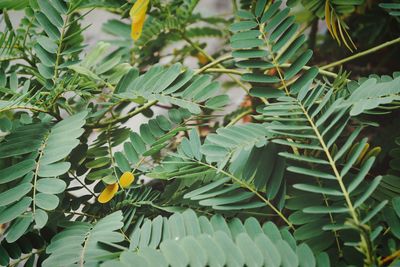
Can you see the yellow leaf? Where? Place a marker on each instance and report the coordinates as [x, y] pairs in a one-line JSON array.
[[362, 154], [202, 58], [328, 17], [126, 179], [108, 193], [138, 15], [334, 29], [372, 153]]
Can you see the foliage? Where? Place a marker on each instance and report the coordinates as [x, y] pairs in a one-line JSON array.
[[303, 172]]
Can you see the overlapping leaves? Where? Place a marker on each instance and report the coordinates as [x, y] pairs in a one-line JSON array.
[[184, 239], [263, 42], [32, 183], [174, 86]]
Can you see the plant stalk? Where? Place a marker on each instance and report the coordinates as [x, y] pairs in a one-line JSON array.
[[361, 54]]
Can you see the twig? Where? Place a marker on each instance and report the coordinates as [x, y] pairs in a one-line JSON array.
[[198, 48], [213, 63], [239, 117], [127, 116], [230, 71], [361, 54]]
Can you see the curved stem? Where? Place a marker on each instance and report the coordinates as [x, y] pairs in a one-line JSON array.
[[361, 54], [213, 63], [322, 71], [127, 116], [25, 107], [198, 48], [390, 258], [240, 116]]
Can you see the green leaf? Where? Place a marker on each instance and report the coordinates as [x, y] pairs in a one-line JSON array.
[[242, 26], [317, 189], [14, 194], [15, 210], [174, 254], [306, 256], [51, 13], [53, 170], [51, 30], [46, 201], [16, 171], [41, 218], [18, 228], [45, 57], [371, 188], [50, 185], [47, 44], [252, 255]]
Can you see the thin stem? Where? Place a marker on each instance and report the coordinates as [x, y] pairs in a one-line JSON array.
[[335, 232], [111, 156], [239, 117], [25, 107], [390, 258], [82, 254], [332, 163], [361, 54], [230, 71], [36, 174], [323, 72], [84, 185], [59, 48], [251, 189], [234, 6], [26, 257], [213, 63], [127, 116], [209, 57]]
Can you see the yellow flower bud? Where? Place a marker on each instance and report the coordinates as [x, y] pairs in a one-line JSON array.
[[108, 193], [138, 15], [126, 179]]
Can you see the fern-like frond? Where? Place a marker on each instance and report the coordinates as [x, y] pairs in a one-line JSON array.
[[263, 41], [310, 124], [174, 86], [152, 137], [33, 185], [254, 182], [80, 241], [58, 39], [184, 239], [106, 165], [100, 67], [371, 93]]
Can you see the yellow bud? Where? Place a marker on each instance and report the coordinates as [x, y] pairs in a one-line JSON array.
[[108, 193], [126, 179], [202, 58], [138, 15]]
